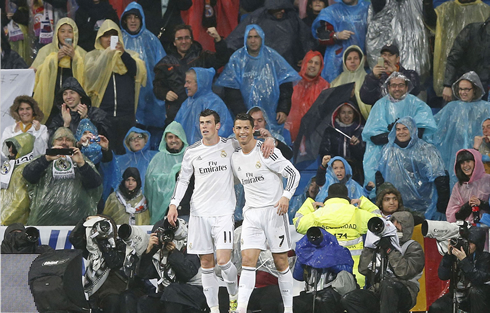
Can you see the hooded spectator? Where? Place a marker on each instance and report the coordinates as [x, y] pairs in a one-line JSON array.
[[151, 111], [11, 60], [55, 63], [313, 8], [113, 81], [416, 169], [27, 115], [19, 240], [338, 27], [396, 103], [200, 96], [460, 120], [471, 190], [257, 75], [161, 172], [353, 64], [62, 193], [482, 144], [306, 91]]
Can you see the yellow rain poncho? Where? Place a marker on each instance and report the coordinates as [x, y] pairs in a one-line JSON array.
[[101, 63], [356, 76], [452, 17], [47, 64]]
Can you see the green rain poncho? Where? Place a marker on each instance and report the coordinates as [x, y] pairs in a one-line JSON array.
[[15, 199], [160, 175]]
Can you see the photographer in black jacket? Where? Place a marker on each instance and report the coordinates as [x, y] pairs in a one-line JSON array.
[[473, 276]]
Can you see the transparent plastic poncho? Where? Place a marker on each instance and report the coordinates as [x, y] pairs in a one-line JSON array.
[[204, 98], [161, 174], [150, 111], [459, 122], [401, 23], [258, 78], [412, 170], [355, 190], [452, 17], [342, 17], [92, 150], [386, 112]]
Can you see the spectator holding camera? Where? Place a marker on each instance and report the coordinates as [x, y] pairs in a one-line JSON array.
[[104, 252], [128, 205], [471, 193], [482, 144], [65, 187], [178, 273], [393, 288], [19, 240], [473, 275]]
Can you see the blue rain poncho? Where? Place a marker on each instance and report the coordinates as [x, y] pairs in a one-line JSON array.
[[385, 112], [160, 176], [459, 122], [258, 78], [412, 170], [355, 190], [342, 17], [150, 111], [329, 254], [92, 150], [204, 98], [140, 159]]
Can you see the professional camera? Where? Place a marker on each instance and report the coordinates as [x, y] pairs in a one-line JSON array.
[[32, 234], [136, 240], [102, 229], [381, 227], [166, 233], [442, 231]]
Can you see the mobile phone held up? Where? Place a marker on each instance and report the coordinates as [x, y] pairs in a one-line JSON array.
[[69, 41], [53, 152]]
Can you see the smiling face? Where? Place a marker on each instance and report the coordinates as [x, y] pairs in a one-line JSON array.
[[65, 31], [64, 142], [173, 141], [486, 128], [190, 83], [313, 67], [243, 131], [316, 6], [209, 128], [352, 61], [466, 91], [338, 169], [346, 115], [254, 41], [71, 98], [397, 88], [130, 184], [390, 203], [25, 112], [402, 133], [183, 41], [467, 167], [133, 22], [137, 142]]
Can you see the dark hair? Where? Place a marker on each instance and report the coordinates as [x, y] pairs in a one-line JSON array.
[[253, 110], [208, 112], [352, 50], [464, 155], [110, 32], [244, 117], [387, 191], [183, 26]]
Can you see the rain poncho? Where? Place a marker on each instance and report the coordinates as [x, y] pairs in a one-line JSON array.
[[15, 199], [101, 63], [400, 23], [459, 122], [356, 76], [386, 112], [485, 151], [47, 65], [355, 190], [258, 78], [304, 94], [139, 159], [160, 175], [204, 98], [150, 111], [452, 17], [342, 17], [413, 169], [92, 150], [478, 186]]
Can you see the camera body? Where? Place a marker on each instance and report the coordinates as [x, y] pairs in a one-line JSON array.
[[165, 235], [443, 231]]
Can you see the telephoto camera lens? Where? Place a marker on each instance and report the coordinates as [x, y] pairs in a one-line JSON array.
[[376, 225], [32, 234]]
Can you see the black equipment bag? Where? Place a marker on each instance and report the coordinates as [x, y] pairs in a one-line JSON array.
[[55, 279]]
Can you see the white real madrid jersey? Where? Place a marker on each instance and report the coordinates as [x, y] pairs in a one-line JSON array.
[[213, 194], [262, 178]]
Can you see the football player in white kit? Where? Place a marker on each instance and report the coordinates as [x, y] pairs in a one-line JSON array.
[[211, 222], [266, 224]]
